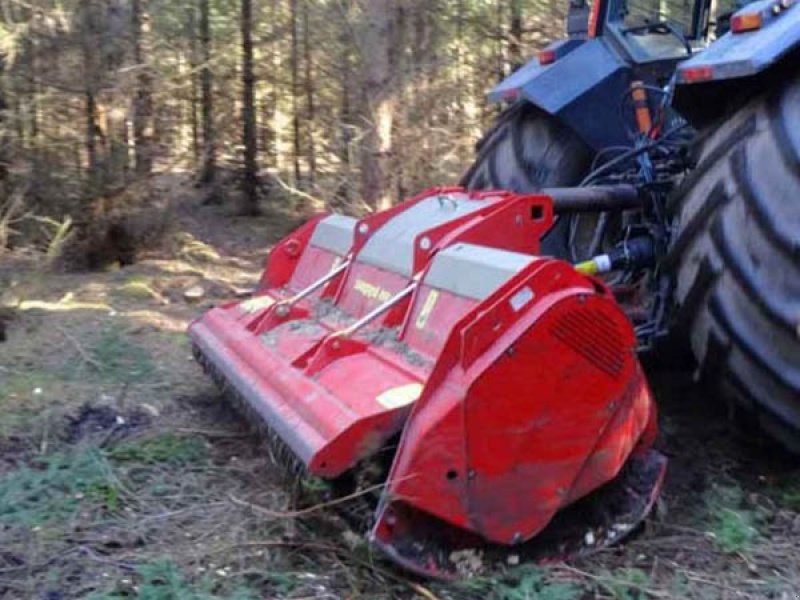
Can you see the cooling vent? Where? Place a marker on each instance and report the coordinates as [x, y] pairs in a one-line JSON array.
[[594, 336]]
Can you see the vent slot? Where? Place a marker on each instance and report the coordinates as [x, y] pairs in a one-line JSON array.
[[594, 336]]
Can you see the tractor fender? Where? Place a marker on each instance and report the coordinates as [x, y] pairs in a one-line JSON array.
[[740, 65], [577, 87]]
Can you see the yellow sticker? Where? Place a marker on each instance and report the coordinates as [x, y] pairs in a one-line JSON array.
[[427, 309], [256, 304], [373, 292], [400, 396]]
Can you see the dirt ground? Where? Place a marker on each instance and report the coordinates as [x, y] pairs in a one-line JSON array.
[[123, 475]]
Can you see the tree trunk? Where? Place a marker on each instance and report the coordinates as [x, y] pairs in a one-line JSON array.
[[250, 139], [143, 128], [345, 106], [91, 76], [194, 64], [207, 100], [309, 85], [294, 60], [376, 49], [515, 36], [4, 136]]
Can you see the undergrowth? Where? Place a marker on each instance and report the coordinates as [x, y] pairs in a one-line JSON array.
[[163, 580], [732, 522]]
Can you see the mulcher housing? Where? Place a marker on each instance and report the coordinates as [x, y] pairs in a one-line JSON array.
[[511, 379]]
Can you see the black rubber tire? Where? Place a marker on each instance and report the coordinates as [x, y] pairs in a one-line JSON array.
[[528, 150], [736, 255]]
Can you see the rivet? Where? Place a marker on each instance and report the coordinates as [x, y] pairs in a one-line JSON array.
[[471, 474], [425, 243], [517, 539], [363, 229]]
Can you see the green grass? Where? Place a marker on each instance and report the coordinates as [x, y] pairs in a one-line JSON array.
[[163, 580], [55, 487], [22, 407], [627, 584], [527, 582], [114, 357], [168, 448], [732, 523]]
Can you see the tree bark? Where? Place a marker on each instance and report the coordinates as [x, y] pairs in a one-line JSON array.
[[207, 100], [515, 36], [310, 108], [376, 51], [194, 64], [294, 60], [249, 139], [143, 127]]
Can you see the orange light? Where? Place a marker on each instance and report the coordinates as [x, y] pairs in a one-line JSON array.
[[696, 74], [746, 22], [547, 57], [594, 18]]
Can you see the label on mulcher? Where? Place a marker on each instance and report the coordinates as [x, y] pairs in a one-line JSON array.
[[400, 396]]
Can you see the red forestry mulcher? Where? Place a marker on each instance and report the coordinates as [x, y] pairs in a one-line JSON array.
[[473, 352]]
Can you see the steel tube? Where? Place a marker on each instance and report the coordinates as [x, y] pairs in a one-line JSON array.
[[594, 199]]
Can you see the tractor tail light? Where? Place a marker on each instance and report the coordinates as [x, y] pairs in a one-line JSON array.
[[696, 74], [746, 22], [547, 57]]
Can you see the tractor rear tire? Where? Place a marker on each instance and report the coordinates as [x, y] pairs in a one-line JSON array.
[[736, 255], [528, 150]]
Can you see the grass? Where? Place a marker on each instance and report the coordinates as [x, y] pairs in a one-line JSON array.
[[167, 449], [138, 287], [732, 523], [163, 580], [527, 582], [120, 358], [24, 399], [54, 488]]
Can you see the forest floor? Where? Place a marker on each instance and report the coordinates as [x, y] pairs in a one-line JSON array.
[[123, 475]]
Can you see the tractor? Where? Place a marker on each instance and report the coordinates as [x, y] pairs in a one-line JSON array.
[[463, 368]]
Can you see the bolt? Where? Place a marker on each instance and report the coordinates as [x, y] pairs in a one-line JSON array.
[[517, 539], [363, 229], [425, 243], [471, 474]]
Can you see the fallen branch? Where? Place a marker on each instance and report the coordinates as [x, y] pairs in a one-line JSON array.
[[273, 514], [296, 192], [83, 354]]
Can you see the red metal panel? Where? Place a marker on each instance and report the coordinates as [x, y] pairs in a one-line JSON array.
[[283, 257]]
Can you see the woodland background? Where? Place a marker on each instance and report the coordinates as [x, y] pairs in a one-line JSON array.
[[296, 104]]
